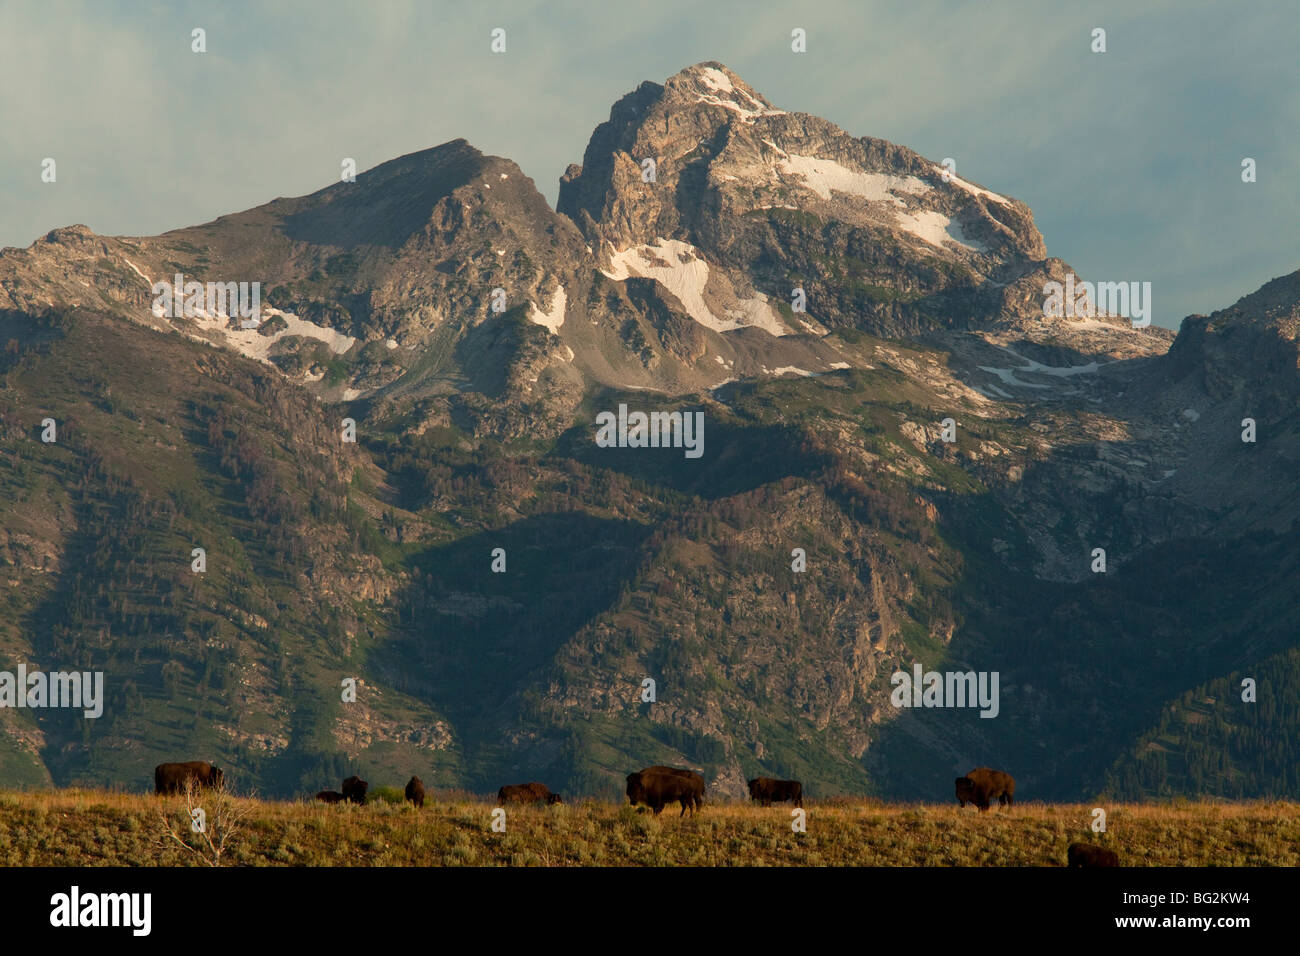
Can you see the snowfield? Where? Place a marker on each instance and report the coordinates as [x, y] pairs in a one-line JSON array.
[[676, 266], [722, 92], [936, 229], [824, 175], [554, 318], [252, 343], [1008, 375]]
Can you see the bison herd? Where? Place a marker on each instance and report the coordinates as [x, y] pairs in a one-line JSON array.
[[654, 787], [353, 791]]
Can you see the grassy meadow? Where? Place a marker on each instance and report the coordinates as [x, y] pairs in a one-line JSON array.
[[98, 828]]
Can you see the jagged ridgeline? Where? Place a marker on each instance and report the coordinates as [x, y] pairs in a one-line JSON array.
[[904, 459]]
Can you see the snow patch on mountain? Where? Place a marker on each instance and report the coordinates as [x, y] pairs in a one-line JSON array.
[[250, 342], [137, 271], [823, 176], [253, 344], [554, 318], [678, 268], [722, 92], [1009, 376], [936, 229], [715, 80], [827, 177], [757, 313], [338, 342]]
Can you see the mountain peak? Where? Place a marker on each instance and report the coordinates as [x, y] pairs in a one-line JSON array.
[[713, 84], [393, 202], [1276, 303], [706, 161]]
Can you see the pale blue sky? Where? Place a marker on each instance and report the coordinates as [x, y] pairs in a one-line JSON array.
[[1130, 159]]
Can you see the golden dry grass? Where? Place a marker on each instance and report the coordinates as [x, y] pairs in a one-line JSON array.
[[95, 828]]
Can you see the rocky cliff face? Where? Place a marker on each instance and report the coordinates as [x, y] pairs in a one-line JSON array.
[[878, 237]]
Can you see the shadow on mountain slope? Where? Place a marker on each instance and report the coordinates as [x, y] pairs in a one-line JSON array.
[[469, 639]]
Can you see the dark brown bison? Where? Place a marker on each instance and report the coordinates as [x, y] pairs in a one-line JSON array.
[[982, 784], [687, 774], [1089, 854], [415, 791], [354, 790], [330, 796], [767, 791], [659, 786], [172, 777], [527, 793]]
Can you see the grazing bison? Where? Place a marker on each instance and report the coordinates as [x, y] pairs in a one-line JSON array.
[[330, 796], [354, 790], [1089, 854], [415, 791], [767, 791], [658, 786], [172, 777], [686, 774], [527, 793], [982, 784]]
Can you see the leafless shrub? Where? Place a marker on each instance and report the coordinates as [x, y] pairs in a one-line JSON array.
[[209, 832]]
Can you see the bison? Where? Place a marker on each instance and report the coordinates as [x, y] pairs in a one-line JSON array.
[[354, 789], [415, 792], [330, 796], [766, 791], [658, 786], [174, 777], [1089, 854], [982, 784], [687, 774], [527, 793]]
